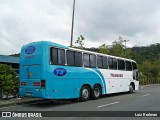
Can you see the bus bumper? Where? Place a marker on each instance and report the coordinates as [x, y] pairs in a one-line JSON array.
[[29, 92]]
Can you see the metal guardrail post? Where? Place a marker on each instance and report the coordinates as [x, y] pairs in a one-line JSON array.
[[1, 90], [0, 95]]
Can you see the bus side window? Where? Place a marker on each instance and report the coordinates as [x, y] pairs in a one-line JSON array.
[[70, 57], [121, 65], [99, 62], [61, 57], [128, 66], [78, 59], [105, 62], [110, 63], [114, 64], [54, 56], [86, 61], [57, 56], [92, 61]]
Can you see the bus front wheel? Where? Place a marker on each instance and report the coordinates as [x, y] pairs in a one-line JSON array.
[[131, 89], [96, 92], [84, 93]]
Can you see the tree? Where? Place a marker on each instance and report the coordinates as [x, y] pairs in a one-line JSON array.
[[79, 42], [117, 49], [104, 49], [145, 68], [9, 82], [15, 55]]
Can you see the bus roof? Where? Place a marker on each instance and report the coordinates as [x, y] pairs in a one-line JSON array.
[[101, 54], [80, 50]]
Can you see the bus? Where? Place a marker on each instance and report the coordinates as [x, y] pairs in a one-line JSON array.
[[52, 71]]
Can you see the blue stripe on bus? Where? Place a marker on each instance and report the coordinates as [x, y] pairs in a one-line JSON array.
[[95, 70]]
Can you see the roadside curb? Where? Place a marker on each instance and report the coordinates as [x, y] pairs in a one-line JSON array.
[[21, 102], [143, 86]]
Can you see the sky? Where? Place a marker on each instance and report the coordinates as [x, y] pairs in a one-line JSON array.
[[99, 21]]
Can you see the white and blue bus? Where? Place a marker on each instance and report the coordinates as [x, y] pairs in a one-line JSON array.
[[53, 71]]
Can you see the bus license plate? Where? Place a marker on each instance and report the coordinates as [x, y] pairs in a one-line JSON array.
[[29, 93]]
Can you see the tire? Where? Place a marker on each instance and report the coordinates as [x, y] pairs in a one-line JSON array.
[[84, 93], [96, 92], [131, 89]]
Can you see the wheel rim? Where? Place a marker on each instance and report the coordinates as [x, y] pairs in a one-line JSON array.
[[85, 93], [131, 88], [96, 92]]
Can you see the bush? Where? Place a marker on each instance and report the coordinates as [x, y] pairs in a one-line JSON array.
[[9, 81]]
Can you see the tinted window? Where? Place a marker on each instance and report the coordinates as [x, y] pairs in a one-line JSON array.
[[99, 61], [92, 61], [57, 56], [115, 64], [134, 66], [121, 65], [128, 66], [54, 56], [61, 57], [70, 58], [105, 62], [78, 59], [86, 60], [110, 63]]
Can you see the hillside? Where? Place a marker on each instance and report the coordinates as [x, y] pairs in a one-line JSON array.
[[145, 53]]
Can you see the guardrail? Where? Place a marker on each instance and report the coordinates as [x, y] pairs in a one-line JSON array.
[[145, 81]]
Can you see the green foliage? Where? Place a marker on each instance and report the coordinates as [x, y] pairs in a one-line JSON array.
[[149, 53], [79, 42], [116, 49], [9, 81], [15, 55], [104, 49], [148, 58]]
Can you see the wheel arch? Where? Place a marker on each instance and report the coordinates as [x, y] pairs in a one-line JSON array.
[[132, 83], [87, 85], [98, 85]]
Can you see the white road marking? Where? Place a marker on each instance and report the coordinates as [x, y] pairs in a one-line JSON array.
[[145, 95], [107, 104], [24, 104]]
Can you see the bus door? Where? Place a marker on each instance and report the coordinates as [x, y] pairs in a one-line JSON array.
[[136, 79]]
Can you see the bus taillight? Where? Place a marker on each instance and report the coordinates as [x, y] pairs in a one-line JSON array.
[[43, 84], [23, 83], [36, 83]]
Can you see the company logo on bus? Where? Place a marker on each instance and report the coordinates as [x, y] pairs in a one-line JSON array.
[[60, 72], [116, 75], [30, 50]]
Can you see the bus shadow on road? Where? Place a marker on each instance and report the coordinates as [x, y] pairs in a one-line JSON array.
[[63, 102], [52, 103]]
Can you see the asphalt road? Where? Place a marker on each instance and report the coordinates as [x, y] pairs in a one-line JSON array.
[[146, 99]]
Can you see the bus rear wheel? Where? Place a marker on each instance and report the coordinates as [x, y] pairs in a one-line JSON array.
[[84, 93], [96, 92]]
